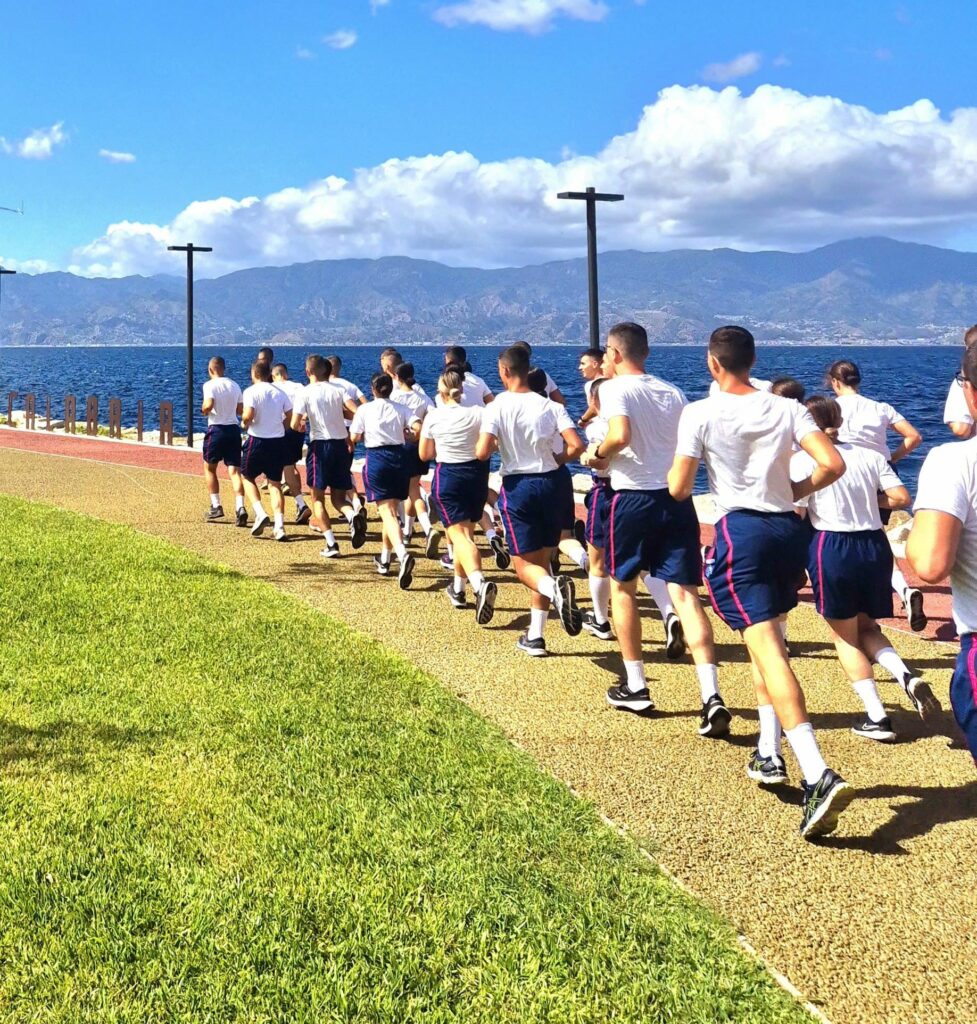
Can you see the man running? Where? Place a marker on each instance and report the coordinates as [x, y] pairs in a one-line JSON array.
[[956, 412], [590, 368], [294, 444], [475, 392], [266, 410], [222, 442]]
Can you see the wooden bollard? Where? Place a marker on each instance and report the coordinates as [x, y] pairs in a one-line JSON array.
[[166, 423], [69, 414], [91, 415], [139, 420], [115, 417], [47, 412], [11, 399], [30, 411]]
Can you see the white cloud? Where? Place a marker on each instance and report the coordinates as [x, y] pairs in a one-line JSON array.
[[375, 5], [781, 61], [342, 39], [115, 156], [702, 168], [39, 145], [304, 53], [739, 67], [532, 16], [27, 266]]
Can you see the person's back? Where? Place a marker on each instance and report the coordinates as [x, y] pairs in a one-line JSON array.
[[866, 422], [850, 504], [226, 396], [454, 428], [381, 422], [525, 425], [322, 405], [270, 404]]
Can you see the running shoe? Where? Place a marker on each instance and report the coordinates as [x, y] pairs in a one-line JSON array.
[[214, 514], [674, 637], [768, 771], [565, 603], [555, 562], [715, 718], [303, 515], [625, 700], [383, 568], [485, 603], [279, 534], [431, 543], [447, 563], [534, 648], [362, 515], [406, 575], [357, 532], [241, 517], [457, 600], [502, 559], [880, 731], [823, 803], [922, 697], [601, 630], [259, 525], [580, 531], [330, 551], [912, 600]]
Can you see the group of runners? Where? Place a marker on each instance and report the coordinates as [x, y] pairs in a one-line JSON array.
[[802, 490]]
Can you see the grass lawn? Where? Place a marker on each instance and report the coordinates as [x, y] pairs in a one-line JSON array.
[[218, 805]]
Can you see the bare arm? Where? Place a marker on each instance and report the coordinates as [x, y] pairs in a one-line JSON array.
[[556, 395], [573, 447], [426, 449], [297, 423], [208, 406], [932, 545], [961, 429], [485, 446], [911, 440], [247, 416], [681, 477], [830, 466], [894, 498]]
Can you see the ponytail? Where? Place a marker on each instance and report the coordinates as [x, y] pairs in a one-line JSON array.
[[845, 372], [404, 372], [826, 413]]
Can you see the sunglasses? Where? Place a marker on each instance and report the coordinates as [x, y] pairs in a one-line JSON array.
[[961, 378]]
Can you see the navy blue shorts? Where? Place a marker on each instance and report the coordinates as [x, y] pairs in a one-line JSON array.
[[328, 464], [263, 455], [222, 443], [758, 562], [963, 691], [530, 507], [459, 491], [568, 504], [851, 574], [649, 531], [416, 466], [598, 502], [294, 443], [385, 476]]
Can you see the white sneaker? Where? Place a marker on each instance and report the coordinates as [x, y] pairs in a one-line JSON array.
[[279, 533]]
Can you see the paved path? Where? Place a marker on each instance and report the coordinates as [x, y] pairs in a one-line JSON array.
[[875, 924]]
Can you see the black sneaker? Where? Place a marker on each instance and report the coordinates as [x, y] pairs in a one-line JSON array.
[[406, 575], [880, 731], [601, 630], [362, 515], [485, 603], [502, 559], [214, 514], [823, 803], [715, 718], [555, 562], [357, 531], [457, 600], [241, 517], [383, 568], [768, 771], [431, 544], [922, 697], [447, 563], [674, 637], [259, 525], [565, 603], [621, 697], [580, 531], [303, 515], [534, 648], [912, 600], [330, 551]]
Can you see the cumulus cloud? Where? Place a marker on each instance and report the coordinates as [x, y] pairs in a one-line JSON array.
[[702, 168], [27, 266], [116, 156], [532, 16], [39, 145], [342, 39], [739, 67]]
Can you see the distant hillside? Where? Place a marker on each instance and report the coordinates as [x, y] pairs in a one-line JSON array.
[[868, 288]]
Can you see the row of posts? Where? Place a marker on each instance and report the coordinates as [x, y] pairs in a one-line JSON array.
[[91, 416]]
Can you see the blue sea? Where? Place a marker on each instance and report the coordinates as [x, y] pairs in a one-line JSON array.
[[913, 379]]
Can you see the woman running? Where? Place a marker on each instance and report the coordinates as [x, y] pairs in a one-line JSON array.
[[459, 489], [850, 565], [383, 428], [415, 404]]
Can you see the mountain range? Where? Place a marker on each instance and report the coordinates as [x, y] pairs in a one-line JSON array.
[[862, 289]]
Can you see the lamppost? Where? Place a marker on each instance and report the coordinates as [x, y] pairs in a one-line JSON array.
[[592, 197], [4, 270], [189, 249]]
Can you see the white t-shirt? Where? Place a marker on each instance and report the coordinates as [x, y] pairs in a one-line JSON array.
[[270, 404], [525, 424], [414, 403], [322, 404], [292, 388], [865, 422], [595, 432], [474, 391], [454, 430], [955, 410], [653, 408], [381, 422], [746, 442], [550, 386], [418, 390], [850, 503], [756, 382], [948, 483], [226, 396], [349, 389]]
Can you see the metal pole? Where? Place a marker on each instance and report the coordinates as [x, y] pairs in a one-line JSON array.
[[592, 268], [190, 346]]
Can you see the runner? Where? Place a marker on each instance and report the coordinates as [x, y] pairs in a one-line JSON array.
[[351, 392], [787, 387], [415, 407], [553, 393], [222, 405], [475, 392], [266, 355], [591, 369], [266, 409], [956, 413], [294, 444]]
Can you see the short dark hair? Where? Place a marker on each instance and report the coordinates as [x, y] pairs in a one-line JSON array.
[[844, 371], [516, 360], [280, 368], [455, 354], [266, 354], [336, 363], [733, 348], [217, 362], [388, 353], [632, 340], [595, 353], [826, 413], [787, 387], [404, 372], [261, 370], [968, 364], [536, 379], [595, 388], [382, 384], [318, 366], [524, 345], [970, 336]]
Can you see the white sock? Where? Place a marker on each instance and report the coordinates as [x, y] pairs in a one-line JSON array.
[[899, 583], [476, 579], [329, 537], [581, 560], [865, 688], [385, 553], [659, 594], [299, 502], [490, 534], [356, 503], [279, 521], [408, 526], [893, 664], [215, 500], [459, 584], [238, 502], [708, 681], [537, 623], [547, 587], [401, 551], [348, 514], [600, 595], [424, 521], [770, 731], [635, 671], [451, 550], [490, 512], [259, 512], [805, 746]]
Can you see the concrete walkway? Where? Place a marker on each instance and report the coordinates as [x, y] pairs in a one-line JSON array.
[[874, 924]]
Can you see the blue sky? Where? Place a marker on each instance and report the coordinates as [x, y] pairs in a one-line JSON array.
[[239, 99]]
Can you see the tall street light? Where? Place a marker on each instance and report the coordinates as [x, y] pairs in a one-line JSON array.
[[189, 249], [592, 197], [3, 270]]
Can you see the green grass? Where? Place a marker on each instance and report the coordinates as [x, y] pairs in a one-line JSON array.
[[219, 805]]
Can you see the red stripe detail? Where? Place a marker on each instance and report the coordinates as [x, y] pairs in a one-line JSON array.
[[820, 573], [613, 559], [510, 535], [972, 669], [729, 574], [366, 477]]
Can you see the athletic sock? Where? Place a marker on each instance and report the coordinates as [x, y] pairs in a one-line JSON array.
[[869, 696], [770, 731], [299, 502], [490, 534], [385, 553], [356, 503], [659, 594], [215, 501], [547, 587], [451, 550], [892, 663], [259, 512], [330, 537], [401, 551], [408, 526], [348, 514], [279, 521], [459, 584], [477, 580], [708, 681], [805, 746], [490, 512], [238, 502], [635, 676], [899, 584], [600, 595], [424, 521], [537, 623], [581, 560]]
